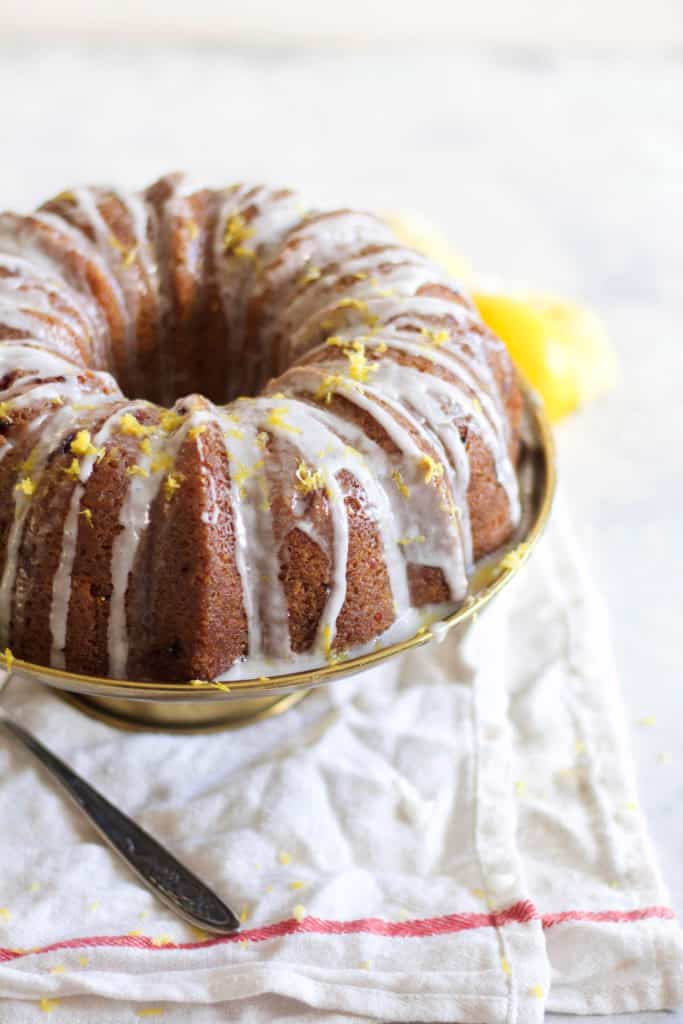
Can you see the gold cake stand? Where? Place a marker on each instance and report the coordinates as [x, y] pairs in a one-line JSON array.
[[183, 708]]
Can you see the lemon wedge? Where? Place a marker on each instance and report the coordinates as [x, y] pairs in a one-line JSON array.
[[561, 347]]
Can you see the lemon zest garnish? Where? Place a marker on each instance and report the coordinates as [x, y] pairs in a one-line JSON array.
[[327, 639], [171, 485], [506, 966], [536, 991], [146, 446], [402, 486], [336, 341], [82, 445], [236, 232], [87, 515], [161, 462], [130, 257], [241, 250], [170, 421], [136, 470], [83, 961], [74, 470], [5, 914], [57, 969], [48, 1005], [214, 683], [299, 912], [9, 659], [275, 419], [261, 440], [284, 857], [365, 965], [435, 338], [297, 885], [162, 940], [418, 539], [433, 469], [26, 486], [150, 1011], [476, 405], [308, 481], [4, 412], [244, 914], [328, 386], [513, 559], [192, 229], [648, 720], [312, 274], [359, 367], [65, 197], [349, 303], [131, 426], [197, 431]]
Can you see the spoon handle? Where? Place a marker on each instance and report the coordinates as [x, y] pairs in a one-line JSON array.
[[159, 870]]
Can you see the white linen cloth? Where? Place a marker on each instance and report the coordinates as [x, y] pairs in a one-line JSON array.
[[457, 832]]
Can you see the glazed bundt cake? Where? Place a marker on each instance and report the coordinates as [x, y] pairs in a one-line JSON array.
[[148, 536]]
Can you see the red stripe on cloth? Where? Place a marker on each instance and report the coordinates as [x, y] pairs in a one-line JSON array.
[[448, 924], [609, 916]]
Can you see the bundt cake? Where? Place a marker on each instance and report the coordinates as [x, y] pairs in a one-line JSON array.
[[149, 536]]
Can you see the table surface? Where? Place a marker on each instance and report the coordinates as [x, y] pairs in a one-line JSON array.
[[563, 172]]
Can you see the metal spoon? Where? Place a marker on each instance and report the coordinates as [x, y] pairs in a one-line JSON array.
[[156, 868]]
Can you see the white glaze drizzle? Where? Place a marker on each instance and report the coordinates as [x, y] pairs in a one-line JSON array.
[[418, 410]]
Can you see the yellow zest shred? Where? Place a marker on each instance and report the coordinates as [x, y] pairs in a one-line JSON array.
[[197, 431], [192, 229], [312, 274], [244, 914], [433, 469], [4, 412], [349, 303], [87, 515], [48, 1005], [170, 421], [398, 480], [261, 440], [26, 486], [236, 232], [162, 940], [82, 445], [297, 885], [359, 367], [327, 640], [275, 419], [419, 539], [128, 255], [146, 446], [513, 559], [299, 912], [74, 470], [136, 470], [128, 424], [435, 338], [150, 1011], [83, 961], [58, 969], [9, 660], [284, 857], [476, 405], [328, 386], [307, 480], [171, 485], [506, 966], [161, 462], [536, 991]]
